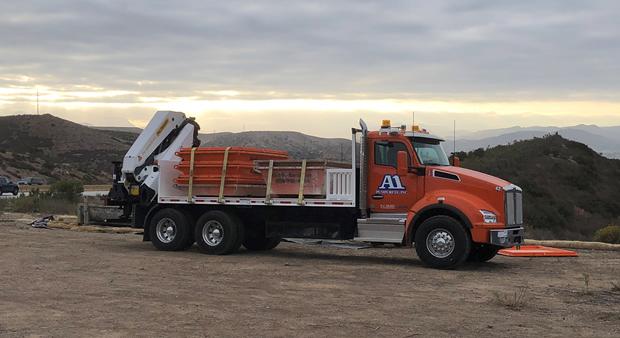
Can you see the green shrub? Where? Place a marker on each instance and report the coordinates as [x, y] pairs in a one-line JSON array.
[[3, 204], [62, 198], [26, 204], [608, 234], [41, 203], [69, 191]]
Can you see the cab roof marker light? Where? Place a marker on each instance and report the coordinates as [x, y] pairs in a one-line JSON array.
[[512, 187]]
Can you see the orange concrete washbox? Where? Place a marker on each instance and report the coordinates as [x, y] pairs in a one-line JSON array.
[[286, 176], [241, 177]]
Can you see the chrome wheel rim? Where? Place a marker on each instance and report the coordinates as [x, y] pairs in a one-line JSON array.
[[213, 233], [166, 230], [440, 243]]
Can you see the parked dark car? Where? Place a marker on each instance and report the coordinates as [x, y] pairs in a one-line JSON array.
[[7, 186], [30, 181]]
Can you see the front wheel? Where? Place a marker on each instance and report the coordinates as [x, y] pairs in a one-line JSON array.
[[442, 242]]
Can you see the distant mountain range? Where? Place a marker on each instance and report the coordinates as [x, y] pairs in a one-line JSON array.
[[604, 140]]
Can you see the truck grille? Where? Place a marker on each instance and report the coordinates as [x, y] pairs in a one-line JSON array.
[[513, 205]]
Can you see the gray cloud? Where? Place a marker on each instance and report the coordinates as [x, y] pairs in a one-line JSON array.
[[473, 50]]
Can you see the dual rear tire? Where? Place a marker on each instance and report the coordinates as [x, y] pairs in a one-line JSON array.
[[218, 233], [215, 232], [170, 230]]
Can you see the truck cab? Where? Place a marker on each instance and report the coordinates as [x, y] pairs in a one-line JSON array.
[[414, 196]]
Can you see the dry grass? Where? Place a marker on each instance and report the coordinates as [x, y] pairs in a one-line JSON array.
[[586, 280], [74, 226], [513, 301]]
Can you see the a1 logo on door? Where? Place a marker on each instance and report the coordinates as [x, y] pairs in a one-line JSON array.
[[392, 184]]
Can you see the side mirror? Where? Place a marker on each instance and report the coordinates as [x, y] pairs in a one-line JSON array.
[[401, 164], [457, 162]]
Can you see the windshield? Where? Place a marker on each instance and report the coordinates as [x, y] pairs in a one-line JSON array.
[[430, 152]]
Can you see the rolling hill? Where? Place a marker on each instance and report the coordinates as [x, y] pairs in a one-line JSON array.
[[52, 148], [603, 140], [569, 190], [298, 145]]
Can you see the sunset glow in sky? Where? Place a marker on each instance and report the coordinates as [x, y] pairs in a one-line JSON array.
[[314, 67]]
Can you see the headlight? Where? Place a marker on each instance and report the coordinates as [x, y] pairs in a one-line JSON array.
[[488, 216]]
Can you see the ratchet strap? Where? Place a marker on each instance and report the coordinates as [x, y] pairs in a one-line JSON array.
[[221, 197], [268, 195], [190, 198], [301, 182]]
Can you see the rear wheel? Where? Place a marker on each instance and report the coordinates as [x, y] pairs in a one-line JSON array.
[[218, 233], [442, 242], [482, 252], [191, 239], [15, 191], [169, 230]]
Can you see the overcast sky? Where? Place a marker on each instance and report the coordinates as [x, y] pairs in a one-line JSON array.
[[314, 67]]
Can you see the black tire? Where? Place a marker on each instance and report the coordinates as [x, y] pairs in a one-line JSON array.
[[261, 244], [15, 191], [256, 239], [191, 239], [482, 252], [218, 233], [169, 230], [442, 242], [240, 233]]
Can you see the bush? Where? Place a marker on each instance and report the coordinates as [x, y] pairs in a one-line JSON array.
[[3, 204], [608, 234], [69, 191], [41, 204], [60, 199]]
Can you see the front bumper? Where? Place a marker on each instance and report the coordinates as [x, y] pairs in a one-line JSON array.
[[507, 237]]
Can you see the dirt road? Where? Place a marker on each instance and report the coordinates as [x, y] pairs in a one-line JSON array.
[[60, 283]]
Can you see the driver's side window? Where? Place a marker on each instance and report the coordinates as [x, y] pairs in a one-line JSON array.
[[386, 153]]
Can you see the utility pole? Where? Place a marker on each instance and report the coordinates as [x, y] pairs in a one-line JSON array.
[[37, 103]]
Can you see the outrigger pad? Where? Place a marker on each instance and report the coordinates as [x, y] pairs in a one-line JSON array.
[[537, 251]]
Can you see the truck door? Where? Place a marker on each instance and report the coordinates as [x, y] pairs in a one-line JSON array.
[[388, 192]]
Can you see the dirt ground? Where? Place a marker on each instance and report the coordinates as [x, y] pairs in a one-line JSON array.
[[60, 283]]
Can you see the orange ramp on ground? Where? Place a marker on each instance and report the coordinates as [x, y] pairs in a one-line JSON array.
[[537, 251]]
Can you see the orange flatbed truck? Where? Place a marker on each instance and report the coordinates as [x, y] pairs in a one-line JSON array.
[[403, 191]]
